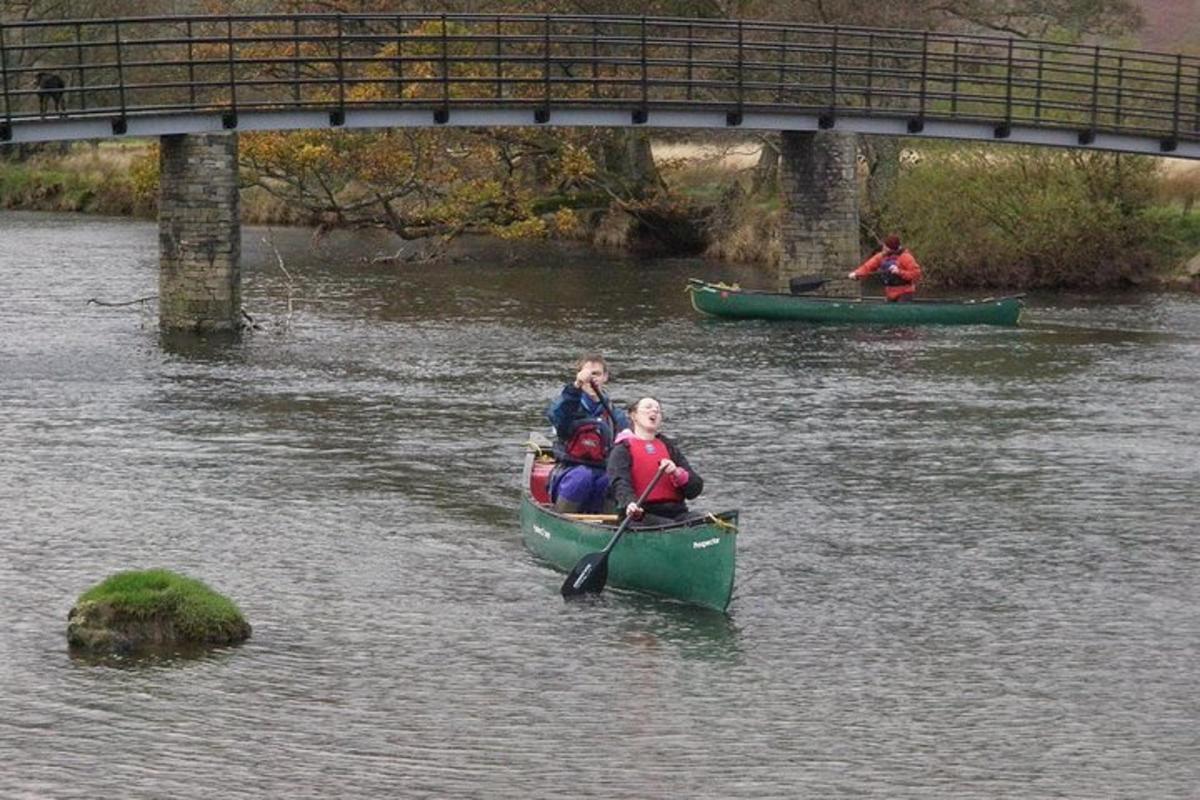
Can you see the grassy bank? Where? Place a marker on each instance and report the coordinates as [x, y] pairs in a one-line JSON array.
[[112, 178], [118, 178]]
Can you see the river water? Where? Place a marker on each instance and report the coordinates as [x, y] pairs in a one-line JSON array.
[[968, 564]]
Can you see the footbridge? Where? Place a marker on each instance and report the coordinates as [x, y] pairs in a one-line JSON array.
[[193, 80]]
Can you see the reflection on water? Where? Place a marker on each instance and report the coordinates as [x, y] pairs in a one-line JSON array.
[[967, 565]]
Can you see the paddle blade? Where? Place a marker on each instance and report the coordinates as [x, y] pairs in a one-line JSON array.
[[589, 575], [802, 284]]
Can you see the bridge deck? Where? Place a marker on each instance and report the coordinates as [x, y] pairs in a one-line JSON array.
[[161, 75]]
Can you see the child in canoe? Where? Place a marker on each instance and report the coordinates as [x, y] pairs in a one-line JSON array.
[[635, 458]]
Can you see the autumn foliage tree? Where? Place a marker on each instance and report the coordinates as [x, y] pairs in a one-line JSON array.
[[422, 182]]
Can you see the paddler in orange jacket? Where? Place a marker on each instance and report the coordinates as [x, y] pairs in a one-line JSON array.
[[636, 457], [897, 268]]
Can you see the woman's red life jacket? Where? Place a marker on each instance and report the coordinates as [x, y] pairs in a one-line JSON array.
[[644, 457]]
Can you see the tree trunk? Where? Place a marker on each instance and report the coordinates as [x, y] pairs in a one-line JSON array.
[[765, 177], [627, 158]]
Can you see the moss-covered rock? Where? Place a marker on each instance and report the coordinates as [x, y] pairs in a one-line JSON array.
[[149, 609]]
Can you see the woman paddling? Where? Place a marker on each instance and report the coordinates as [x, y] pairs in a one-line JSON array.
[[636, 457]]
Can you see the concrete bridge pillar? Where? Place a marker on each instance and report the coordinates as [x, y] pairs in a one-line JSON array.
[[819, 180], [199, 233]]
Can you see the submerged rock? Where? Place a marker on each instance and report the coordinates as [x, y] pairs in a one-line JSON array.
[[152, 609]]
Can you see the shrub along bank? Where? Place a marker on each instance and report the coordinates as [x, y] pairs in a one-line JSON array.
[[1035, 218], [976, 217]]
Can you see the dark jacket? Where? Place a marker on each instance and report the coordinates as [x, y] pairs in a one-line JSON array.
[[572, 407], [620, 486]]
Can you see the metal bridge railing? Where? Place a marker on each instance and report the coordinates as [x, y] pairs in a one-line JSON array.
[[119, 68]]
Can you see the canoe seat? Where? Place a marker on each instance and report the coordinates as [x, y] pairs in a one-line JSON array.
[[539, 480]]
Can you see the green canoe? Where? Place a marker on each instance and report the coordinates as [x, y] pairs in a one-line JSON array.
[[721, 300], [692, 562]]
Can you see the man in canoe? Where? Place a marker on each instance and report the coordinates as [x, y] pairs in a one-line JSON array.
[[584, 423], [896, 267], [637, 456]]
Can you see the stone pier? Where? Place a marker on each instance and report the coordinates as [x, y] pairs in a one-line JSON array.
[[199, 233], [819, 181]]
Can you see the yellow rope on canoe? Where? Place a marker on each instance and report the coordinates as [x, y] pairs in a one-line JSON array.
[[730, 287], [539, 452], [728, 527]]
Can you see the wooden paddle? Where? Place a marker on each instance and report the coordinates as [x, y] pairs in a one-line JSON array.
[[591, 573]]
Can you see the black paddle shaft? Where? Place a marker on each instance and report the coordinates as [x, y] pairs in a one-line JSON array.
[[591, 573], [607, 406]]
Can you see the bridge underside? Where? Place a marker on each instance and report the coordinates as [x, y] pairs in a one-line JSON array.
[[104, 127]]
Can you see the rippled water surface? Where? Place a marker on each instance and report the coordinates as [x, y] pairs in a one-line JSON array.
[[968, 566]]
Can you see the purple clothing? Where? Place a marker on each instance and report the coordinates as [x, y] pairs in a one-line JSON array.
[[587, 486]]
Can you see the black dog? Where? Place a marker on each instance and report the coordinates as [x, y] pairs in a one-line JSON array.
[[50, 90]]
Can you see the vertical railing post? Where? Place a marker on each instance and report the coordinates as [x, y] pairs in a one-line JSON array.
[[1008, 85], [741, 71], [399, 59], [1037, 102], [546, 69], [1178, 97], [499, 60], [833, 73], [595, 58], [691, 44], [80, 78], [870, 69], [1095, 89], [296, 93], [783, 52], [445, 71], [924, 75], [6, 128], [233, 68], [954, 82], [339, 117], [230, 119], [1120, 88], [191, 57], [917, 124], [119, 125], [645, 70]]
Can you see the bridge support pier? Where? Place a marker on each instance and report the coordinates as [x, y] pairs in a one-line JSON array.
[[199, 233], [819, 180]]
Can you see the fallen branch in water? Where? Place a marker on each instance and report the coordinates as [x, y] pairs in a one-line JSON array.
[[253, 324], [94, 301], [270, 242], [392, 258]]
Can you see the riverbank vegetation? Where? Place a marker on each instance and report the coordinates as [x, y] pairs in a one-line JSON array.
[[1026, 217], [997, 216], [133, 610], [112, 178], [977, 216]]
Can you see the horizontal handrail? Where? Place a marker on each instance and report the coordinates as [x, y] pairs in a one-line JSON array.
[[130, 66]]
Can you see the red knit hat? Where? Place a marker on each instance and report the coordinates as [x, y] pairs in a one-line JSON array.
[[892, 242]]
